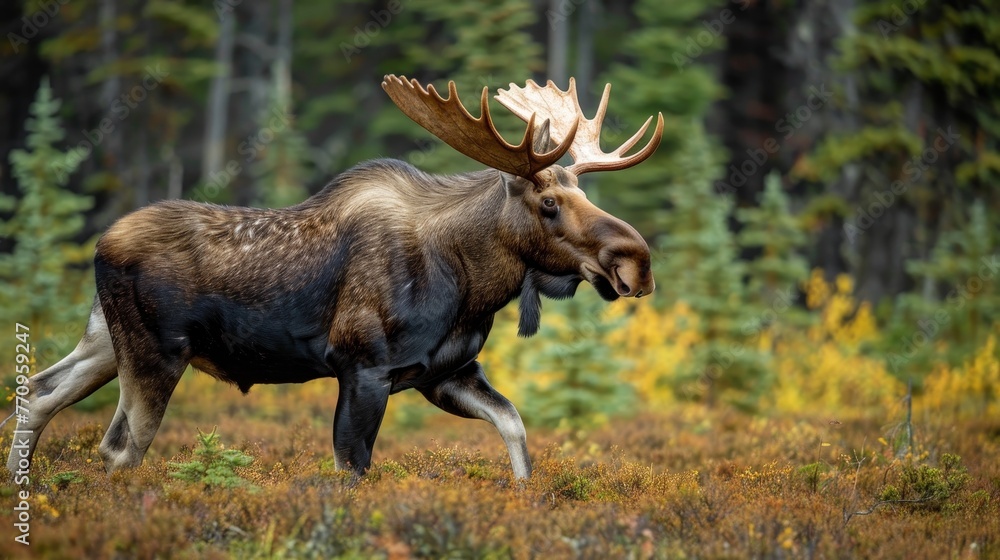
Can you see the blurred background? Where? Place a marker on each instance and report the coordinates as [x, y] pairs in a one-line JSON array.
[[823, 207]]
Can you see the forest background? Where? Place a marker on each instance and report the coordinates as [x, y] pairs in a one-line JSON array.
[[822, 210]]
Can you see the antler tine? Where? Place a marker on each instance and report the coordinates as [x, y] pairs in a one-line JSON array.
[[477, 138], [559, 106], [602, 107], [615, 161]]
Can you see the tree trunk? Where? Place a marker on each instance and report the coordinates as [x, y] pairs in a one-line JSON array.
[[283, 56], [587, 14], [558, 42], [253, 59], [214, 141], [112, 84]]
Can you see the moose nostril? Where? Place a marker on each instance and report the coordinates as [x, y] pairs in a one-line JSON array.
[[638, 294]]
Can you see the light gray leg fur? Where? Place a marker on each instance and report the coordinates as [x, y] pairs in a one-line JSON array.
[[469, 395], [89, 367], [145, 391]]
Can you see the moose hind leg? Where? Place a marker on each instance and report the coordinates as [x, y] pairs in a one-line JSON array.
[[468, 394], [146, 387], [87, 368]]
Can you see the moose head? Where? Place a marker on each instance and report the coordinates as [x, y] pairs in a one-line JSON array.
[[562, 233]]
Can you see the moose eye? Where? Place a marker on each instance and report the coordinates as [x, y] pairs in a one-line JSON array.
[[549, 207]]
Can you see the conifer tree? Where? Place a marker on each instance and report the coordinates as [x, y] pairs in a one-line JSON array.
[[43, 277], [964, 271], [665, 74], [467, 52], [922, 138], [700, 268], [584, 387], [281, 170], [775, 234]]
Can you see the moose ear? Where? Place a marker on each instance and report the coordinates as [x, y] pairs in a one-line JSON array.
[[514, 185]]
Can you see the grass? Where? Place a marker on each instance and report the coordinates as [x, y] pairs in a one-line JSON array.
[[682, 483]]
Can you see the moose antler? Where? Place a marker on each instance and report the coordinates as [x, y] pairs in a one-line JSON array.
[[475, 137], [562, 107]]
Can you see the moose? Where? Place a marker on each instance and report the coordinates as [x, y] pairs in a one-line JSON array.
[[387, 279]]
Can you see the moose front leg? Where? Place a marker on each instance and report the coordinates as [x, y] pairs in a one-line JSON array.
[[360, 408], [468, 394]]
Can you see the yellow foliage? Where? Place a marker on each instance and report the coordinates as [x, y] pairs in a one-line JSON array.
[[657, 344], [821, 368], [817, 290], [972, 389], [826, 369]]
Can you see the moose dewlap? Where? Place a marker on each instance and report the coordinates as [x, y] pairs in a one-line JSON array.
[[387, 279]]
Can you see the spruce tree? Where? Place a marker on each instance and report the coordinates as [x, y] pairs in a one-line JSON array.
[[281, 170], [923, 138], [775, 235], [482, 45], [964, 307], [665, 74], [700, 267], [584, 387], [45, 283]]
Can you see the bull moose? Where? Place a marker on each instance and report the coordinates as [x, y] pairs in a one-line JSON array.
[[387, 279]]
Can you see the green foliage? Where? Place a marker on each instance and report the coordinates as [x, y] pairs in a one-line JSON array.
[[777, 235], [812, 474], [889, 493], [466, 52], [200, 26], [583, 388], [962, 301], [213, 465], [921, 143], [925, 486], [331, 537], [432, 41], [700, 261], [41, 279], [662, 76], [282, 167], [387, 468], [573, 486], [63, 479]]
